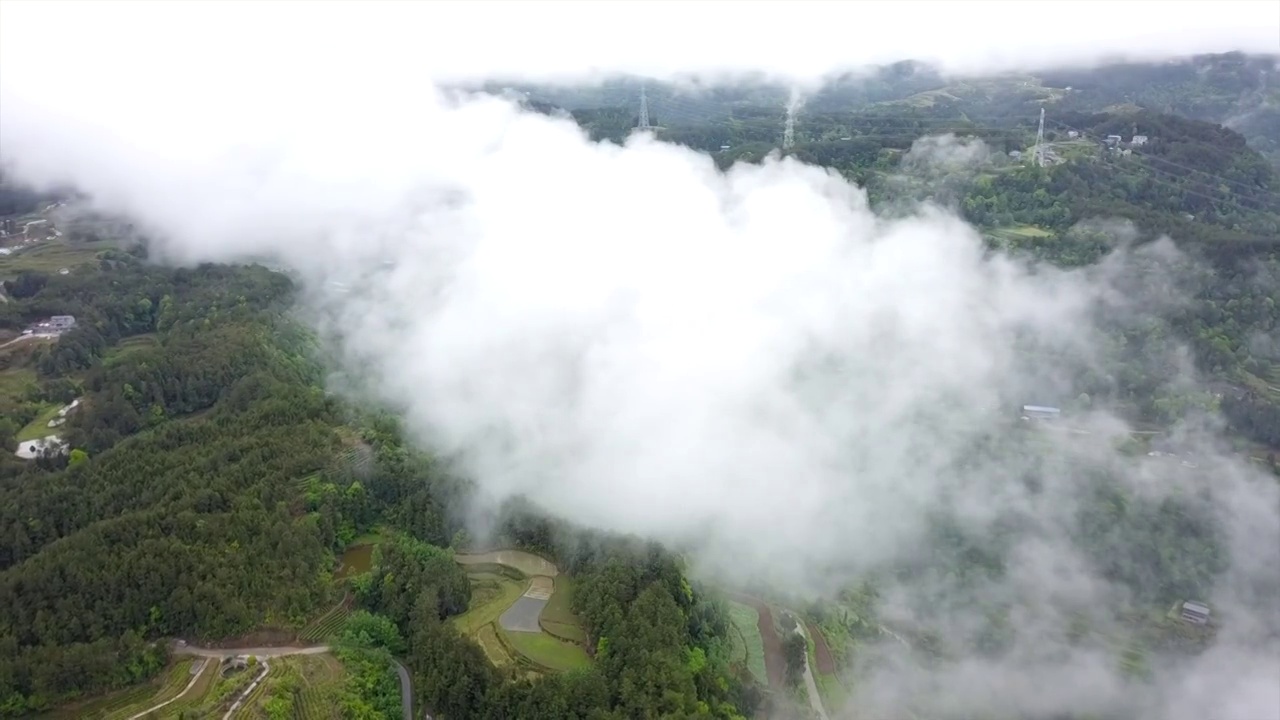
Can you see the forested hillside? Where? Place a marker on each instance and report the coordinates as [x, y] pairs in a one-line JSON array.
[[211, 481], [1233, 89]]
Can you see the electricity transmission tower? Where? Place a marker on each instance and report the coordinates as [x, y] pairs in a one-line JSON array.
[[643, 125], [1038, 153]]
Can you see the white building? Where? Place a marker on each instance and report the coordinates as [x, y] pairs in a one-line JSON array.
[[1040, 412], [62, 322], [1139, 140], [1073, 134], [1195, 613], [32, 449]]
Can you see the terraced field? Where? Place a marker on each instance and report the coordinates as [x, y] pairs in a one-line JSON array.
[[546, 651], [557, 619], [496, 594], [487, 638], [101, 707], [520, 612], [250, 705], [327, 625], [199, 694], [316, 704], [527, 563], [746, 621], [127, 703]]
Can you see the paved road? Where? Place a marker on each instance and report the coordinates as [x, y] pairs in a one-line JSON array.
[[258, 651], [406, 690], [811, 685]]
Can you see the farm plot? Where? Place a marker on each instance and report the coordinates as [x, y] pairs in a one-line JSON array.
[[498, 595], [775, 665], [524, 613], [520, 612], [525, 562], [825, 664], [50, 256], [199, 693], [746, 625], [548, 652], [327, 625], [132, 701], [822, 664]]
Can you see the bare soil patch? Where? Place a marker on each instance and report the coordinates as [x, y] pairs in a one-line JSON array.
[[821, 652]]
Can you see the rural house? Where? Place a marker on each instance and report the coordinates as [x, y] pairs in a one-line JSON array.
[[1195, 613], [1040, 412]]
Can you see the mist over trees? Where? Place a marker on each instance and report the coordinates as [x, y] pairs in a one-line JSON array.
[[678, 368]]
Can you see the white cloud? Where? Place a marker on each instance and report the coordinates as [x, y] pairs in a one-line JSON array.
[[749, 360]]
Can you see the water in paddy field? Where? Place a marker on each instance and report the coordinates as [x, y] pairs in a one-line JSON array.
[[355, 560]]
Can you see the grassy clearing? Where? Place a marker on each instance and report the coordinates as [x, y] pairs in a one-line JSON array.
[[128, 347], [745, 621], [835, 697], [547, 651], [39, 427], [486, 609], [557, 618], [15, 382], [50, 256], [373, 537]]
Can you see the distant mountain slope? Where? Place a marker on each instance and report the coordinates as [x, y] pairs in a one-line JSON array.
[[1236, 90]]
